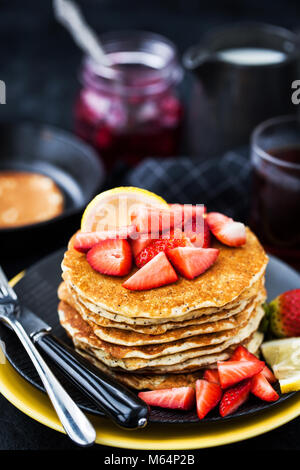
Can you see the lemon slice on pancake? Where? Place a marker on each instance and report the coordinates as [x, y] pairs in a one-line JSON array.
[[283, 355], [113, 208]]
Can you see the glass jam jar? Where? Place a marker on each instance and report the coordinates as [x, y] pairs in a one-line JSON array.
[[131, 110]]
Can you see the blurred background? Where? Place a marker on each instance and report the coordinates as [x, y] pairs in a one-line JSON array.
[[40, 62]]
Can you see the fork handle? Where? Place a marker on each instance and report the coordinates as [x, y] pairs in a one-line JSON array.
[[75, 423], [120, 404]]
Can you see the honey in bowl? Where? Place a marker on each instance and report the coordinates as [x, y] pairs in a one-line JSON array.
[[28, 198]]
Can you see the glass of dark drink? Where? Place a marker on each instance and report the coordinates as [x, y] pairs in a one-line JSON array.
[[131, 109], [275, 212]]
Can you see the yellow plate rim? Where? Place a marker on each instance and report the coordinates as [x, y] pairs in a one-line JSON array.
[[36, 404]]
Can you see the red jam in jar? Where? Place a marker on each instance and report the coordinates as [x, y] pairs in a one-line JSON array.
[[131, 110]]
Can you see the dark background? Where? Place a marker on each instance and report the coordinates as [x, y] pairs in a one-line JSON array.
[[39, 64], [39, 61]]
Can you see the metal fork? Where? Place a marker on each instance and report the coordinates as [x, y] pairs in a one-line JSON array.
[[74, 422]]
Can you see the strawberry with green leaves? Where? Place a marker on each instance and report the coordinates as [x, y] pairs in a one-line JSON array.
[[283, 314]]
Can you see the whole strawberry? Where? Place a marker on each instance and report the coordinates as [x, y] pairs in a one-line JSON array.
[[284, 314]]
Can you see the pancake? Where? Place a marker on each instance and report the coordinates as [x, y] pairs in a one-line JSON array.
[[134, 358], [235, 270], [64, 293], [231, 307], [28, 198], [146, 380], [193, 359], [209, 361], [132, 338], [161, 381], [151, 351], [165, 337]]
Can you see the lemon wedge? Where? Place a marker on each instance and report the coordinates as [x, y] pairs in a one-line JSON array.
[[113, 208], [283, 355]]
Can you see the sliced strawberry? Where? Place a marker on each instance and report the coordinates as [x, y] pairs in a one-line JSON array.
[[183, 213], [190, 261], [155, 221], [139, 244], [269, 375], [242, 354], [188, 210], [226, 230], [152, 220], [212, 375], [158, 246], [234, 397], [84, 241], [182, 398], [208, 395], [232, 372], [262, 389], [158, 272], [192, 223], [112, 257], [199, 235]]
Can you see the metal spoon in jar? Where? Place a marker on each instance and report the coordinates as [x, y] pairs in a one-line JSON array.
[[70, 16]]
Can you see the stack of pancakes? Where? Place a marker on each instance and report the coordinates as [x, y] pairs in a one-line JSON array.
[[165, 337]]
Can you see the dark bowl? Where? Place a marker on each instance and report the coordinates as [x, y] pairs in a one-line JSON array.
[[72, 164]]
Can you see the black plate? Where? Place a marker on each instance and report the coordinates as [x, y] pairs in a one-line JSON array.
[[38, 291]]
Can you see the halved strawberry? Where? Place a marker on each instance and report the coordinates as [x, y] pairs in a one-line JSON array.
[[269, 375], [155, 221], [232, 372], [199, 235], [242, 354], [192, 224], [112, 257], [84, 241], [208, 395], [182, 398], [160, 245], [226, 230], [184, 213], [212, 375], [158, 272], [190, 261], [261, 388], [234, 397], [152, 220], [139, 244]]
